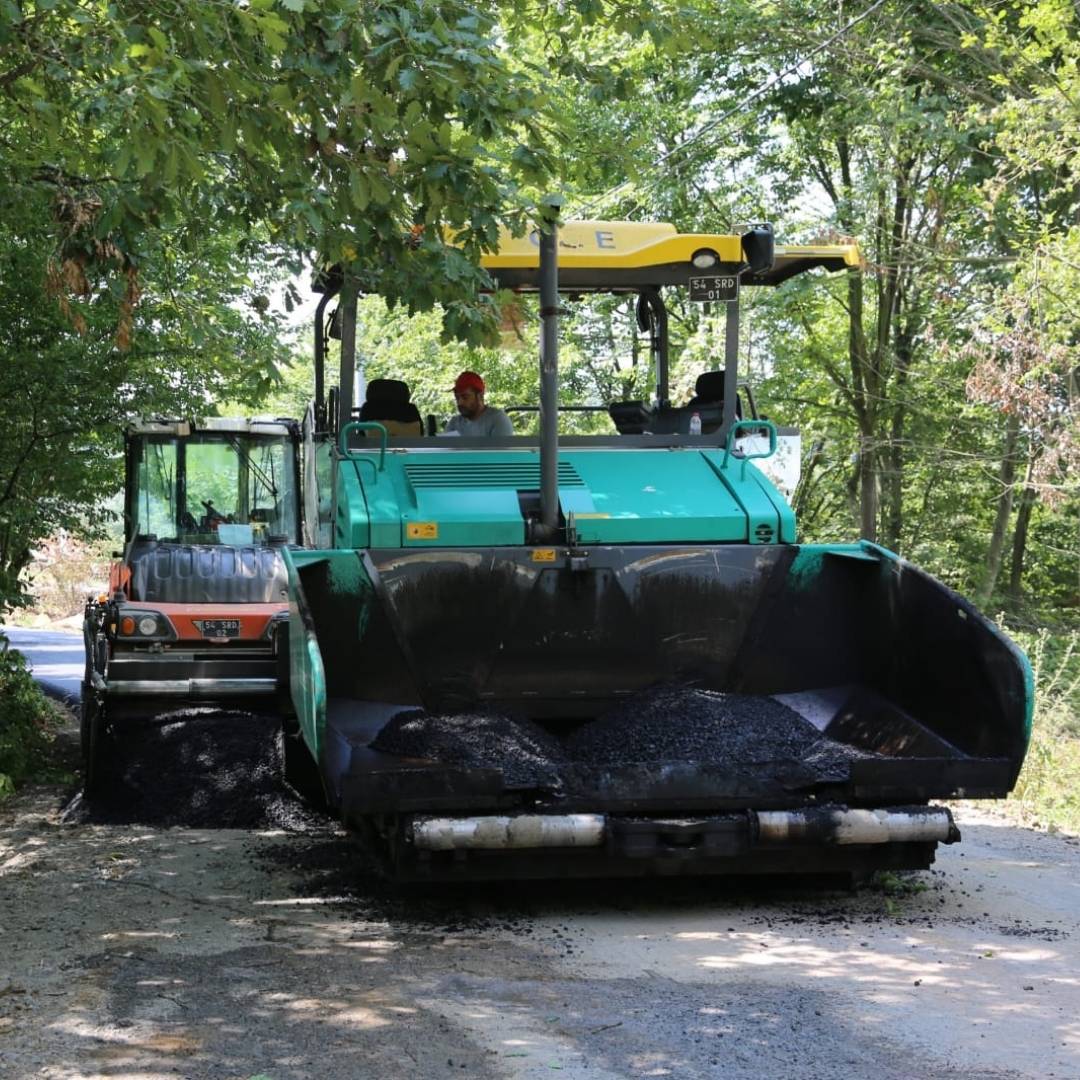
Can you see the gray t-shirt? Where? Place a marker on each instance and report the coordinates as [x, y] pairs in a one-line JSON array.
[[491, 422]]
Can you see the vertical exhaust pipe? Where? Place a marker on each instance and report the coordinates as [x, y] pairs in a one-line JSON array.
[[320, 360], [346, 376], [549, 382]]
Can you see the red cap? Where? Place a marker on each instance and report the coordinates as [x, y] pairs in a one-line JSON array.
[[469, 380]]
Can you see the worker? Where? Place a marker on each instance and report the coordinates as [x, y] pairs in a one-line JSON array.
[[476, 419]]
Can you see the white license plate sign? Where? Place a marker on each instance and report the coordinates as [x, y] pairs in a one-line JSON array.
[[723, 288]]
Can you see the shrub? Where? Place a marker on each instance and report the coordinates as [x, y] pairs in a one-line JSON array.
[[1047, 791], [26, 717]]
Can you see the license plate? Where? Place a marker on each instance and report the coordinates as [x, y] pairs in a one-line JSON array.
[[220, 628], [714, 289]]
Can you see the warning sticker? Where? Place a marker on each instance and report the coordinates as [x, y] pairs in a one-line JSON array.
[[422, 530], [543, 555]]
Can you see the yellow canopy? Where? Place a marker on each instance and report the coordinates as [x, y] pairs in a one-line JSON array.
[[629, 254]]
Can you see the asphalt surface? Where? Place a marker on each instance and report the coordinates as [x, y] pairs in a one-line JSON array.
[[668, 723], [56, 657], [525, 753], [197, 768], [722, 729], [140, 952], [138, 943]]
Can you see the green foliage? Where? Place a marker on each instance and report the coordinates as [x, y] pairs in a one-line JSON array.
[[197, 338], [173, 148], [335, 127], [908, 131], [361, 132], [1035, 47], [25, 719], [1047, 790]]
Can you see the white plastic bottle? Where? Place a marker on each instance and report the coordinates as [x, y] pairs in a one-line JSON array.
[[695, 424]]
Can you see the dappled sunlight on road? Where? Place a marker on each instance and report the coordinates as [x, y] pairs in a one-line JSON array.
[[857, 965], [330, 1010], [138, 1052], [175, 1025], [144, 952], [974, 959], [139, 935]]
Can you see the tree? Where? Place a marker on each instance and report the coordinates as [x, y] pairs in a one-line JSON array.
[[200, 338], [351, 132], [136, 141], [1024, 368]]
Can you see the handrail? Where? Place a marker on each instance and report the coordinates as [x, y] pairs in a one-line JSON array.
[[562, 408], [734, 430], [364, 425]]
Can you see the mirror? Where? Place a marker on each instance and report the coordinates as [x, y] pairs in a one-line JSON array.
[[758, 244]]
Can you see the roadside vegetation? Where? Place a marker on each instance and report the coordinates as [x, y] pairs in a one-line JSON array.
[[1048, 792], [27, 723], [64, 570]]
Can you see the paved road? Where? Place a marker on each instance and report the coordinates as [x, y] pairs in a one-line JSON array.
[[134, 951], [131, 949], [56, 658]]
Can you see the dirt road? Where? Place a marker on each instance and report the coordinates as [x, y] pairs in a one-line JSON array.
[[142, 951]]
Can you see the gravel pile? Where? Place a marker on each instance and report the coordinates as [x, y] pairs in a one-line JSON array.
[[665, 723], [678, 723], [525, 753], [200, 769]]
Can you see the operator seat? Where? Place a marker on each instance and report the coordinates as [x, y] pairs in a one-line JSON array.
[[707, 402], [630, 417], [709, 390], [388, 402]]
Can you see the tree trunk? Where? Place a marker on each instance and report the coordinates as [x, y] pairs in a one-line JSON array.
[[928, 491], [1007, 479], [893, 486], [863, 386], [893, 518], [868, 489], [806, 479], [1023, 520], [1020, 534], [15, 557]]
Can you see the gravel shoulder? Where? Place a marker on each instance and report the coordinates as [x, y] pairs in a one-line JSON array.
[[149, 950]]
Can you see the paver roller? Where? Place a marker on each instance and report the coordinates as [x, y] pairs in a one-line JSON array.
[[553, 655]]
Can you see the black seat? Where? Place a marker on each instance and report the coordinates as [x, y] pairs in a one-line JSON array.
[[709, 394], [709, 388], [387, 401], [629, 417]]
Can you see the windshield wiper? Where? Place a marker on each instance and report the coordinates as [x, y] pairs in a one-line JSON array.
[[245, 457]]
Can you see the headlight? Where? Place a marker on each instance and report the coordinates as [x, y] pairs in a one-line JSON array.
[[144, 626], [705, 259]]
